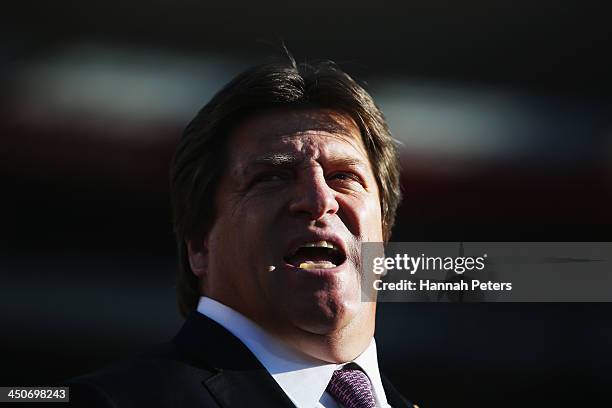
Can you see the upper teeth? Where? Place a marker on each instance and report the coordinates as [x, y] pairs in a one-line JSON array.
[[319, 244]]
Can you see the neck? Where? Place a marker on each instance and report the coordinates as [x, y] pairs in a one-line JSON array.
[[334, 348], [335, 345], [339, 340]]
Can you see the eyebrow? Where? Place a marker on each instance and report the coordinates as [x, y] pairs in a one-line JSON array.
[[271, 160]]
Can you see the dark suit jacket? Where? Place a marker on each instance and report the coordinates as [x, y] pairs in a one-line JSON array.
[[203, 366]]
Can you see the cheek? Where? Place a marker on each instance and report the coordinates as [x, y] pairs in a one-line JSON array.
[[253, 221], [233, 251], [363, 218], [251, 226]]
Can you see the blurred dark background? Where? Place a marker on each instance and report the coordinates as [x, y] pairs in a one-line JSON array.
[[503, 109]]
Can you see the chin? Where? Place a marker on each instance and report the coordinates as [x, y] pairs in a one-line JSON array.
[[322, 304], [326, 314], [336, 338]]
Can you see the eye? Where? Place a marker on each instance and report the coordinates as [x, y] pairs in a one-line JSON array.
[[345, 176], [271, 177], [347, 179]]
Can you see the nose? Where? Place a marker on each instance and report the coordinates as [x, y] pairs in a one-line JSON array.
[[313, 197]]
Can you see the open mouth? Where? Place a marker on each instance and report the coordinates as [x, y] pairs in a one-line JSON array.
[[316, 255]]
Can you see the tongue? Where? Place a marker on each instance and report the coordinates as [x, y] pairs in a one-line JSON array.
[[320, 265], [311, 256], [297, 260]]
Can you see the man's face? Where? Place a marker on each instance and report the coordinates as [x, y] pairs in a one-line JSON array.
[[296, 184]]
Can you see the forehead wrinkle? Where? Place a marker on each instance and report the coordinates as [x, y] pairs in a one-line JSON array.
[[297, 131], [304, 145], [308, 149], [298, 121], [306, 138]]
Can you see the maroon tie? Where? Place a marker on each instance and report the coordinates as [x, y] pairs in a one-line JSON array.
[[351, 387]]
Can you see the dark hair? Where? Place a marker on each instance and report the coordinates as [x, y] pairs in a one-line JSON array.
[[200, 157]]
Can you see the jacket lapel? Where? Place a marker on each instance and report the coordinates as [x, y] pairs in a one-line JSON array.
[[394, 398], [238, 379], [246, 389]]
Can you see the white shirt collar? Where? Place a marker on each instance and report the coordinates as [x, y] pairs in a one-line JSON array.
[[290, 368]]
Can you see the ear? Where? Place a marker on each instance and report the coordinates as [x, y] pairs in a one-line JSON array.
[[197, 251]]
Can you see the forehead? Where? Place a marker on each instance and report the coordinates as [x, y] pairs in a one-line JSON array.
[[309, 131]]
